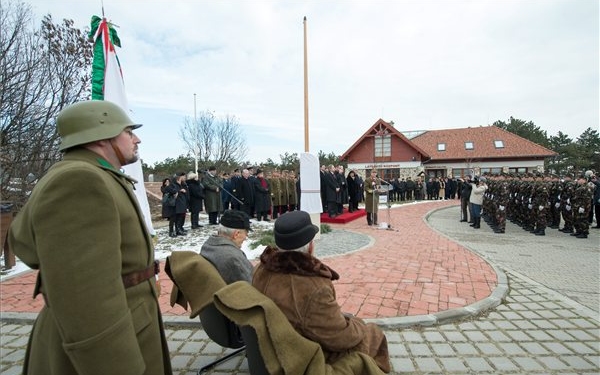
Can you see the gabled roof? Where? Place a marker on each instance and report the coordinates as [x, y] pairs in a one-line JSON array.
[[483, 139], [379, 128]]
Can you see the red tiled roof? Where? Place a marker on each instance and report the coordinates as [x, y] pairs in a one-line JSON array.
[[378, 126], [483, 139]]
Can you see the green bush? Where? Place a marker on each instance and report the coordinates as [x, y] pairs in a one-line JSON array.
[[265, 237], [325, 228]]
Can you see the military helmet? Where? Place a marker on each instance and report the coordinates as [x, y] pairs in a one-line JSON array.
[[90, 121]]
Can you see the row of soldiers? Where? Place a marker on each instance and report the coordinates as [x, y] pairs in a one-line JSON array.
[[538, 201], [285, 191]]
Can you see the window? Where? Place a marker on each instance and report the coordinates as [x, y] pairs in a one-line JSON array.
[[461, 172], [492, 171], [468, 145], [499, 144], [441, 147], [517, 170], [383, 145]]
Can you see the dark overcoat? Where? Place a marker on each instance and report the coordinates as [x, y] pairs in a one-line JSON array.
[[182, 201], [246, 192], [83, 229], [353, 188], [262, 195], [331, 184], [196, 194], [343, 187], [167, 211]]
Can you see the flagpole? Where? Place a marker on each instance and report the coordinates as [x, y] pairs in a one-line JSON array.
[[310, 198], [108, 84], [306, 146]]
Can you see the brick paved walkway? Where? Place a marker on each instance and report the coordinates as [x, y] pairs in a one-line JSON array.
[[409, 272]]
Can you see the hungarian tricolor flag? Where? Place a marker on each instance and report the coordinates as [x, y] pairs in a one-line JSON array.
[[107, 84]]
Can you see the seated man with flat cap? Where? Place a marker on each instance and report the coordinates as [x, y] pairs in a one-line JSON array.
[[301, 286], [224, 251]]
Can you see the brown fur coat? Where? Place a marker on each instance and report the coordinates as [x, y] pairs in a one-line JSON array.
[[301, 285]]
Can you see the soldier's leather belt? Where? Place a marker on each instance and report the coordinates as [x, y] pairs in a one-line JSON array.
[[129, 280], [136, 277]]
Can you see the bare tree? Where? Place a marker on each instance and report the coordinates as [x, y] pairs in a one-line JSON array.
[[231, 144], [215, 141], [41, 71]]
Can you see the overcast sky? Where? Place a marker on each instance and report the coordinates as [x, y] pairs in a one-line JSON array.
[[422, 64]]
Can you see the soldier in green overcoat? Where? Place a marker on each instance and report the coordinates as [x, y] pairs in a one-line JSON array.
[[83, 229], [212, 194], [372, 186]]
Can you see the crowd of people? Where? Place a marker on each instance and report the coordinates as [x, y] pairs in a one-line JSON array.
[[533, 201], [495, 198], [265, 195], [262, 196], [432, 188]]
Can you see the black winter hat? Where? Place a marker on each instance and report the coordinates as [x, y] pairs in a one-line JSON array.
[[236, 219], [294, 230]]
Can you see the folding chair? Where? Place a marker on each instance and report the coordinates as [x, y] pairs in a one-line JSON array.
[[195, 280]]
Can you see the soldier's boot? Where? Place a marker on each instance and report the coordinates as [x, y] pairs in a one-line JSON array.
[[498, 230], [541, 232], [582, 235], [477, 223], [369, 219], [374, 219]]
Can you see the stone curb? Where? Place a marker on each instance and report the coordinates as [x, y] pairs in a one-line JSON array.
[[453, 315], [442, 317]]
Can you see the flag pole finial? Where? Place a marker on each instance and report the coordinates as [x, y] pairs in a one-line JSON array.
[[102, 4]]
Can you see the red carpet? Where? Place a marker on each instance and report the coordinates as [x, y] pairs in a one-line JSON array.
[[344, 218]]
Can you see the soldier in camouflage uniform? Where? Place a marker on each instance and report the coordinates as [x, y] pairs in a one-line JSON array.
[[581, 203], [518, 192], [502, 198], [540, 205], [513, 203], [568, 187], [528, 191], [555, 190], [548, 210]]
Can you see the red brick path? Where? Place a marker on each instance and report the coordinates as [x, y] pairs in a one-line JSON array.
[[410, 270]]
